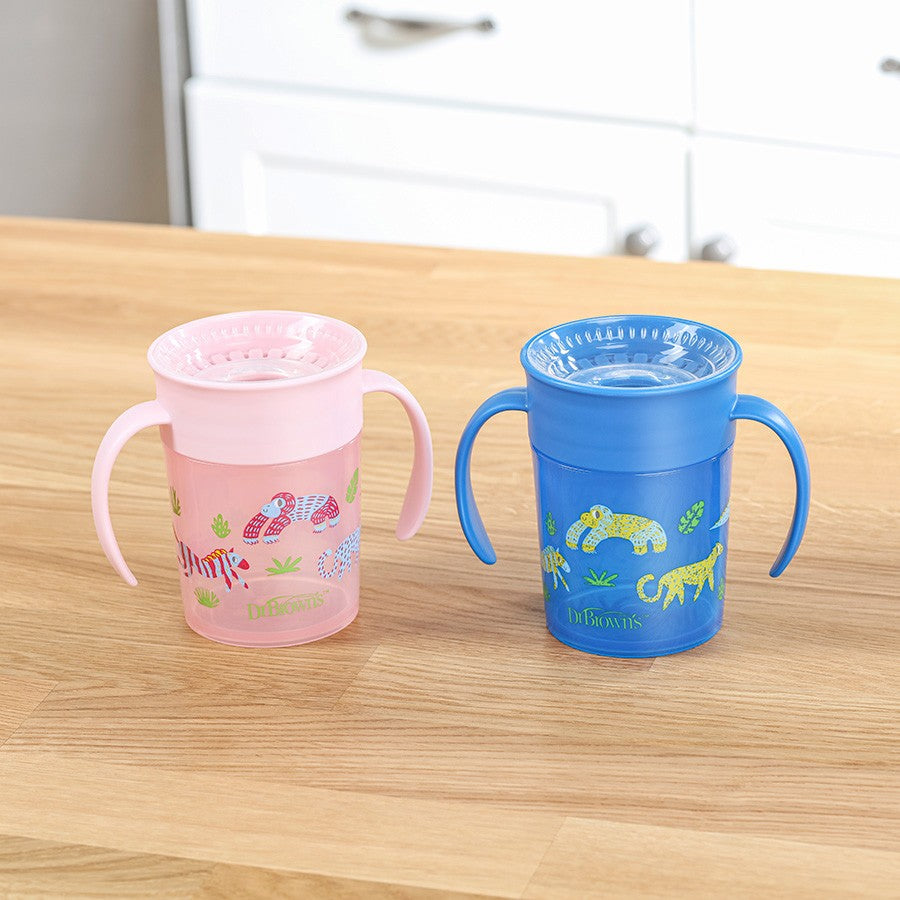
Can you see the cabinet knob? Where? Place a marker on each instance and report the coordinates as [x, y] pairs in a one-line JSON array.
[[642, 241], [719, 249], [889, 64]]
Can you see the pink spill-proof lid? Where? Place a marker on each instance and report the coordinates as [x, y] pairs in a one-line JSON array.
[[249, 349]]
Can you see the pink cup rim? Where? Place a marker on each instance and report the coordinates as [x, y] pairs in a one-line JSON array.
[[353, 333]]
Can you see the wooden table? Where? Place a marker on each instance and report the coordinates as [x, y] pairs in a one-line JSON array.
[[444, 742]]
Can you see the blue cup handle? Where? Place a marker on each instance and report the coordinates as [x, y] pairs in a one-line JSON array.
[[759, 410], [469, 517]]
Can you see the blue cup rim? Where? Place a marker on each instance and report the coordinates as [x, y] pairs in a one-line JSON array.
[[620, 391]]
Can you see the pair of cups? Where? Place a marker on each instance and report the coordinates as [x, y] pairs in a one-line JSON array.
[[631, 421]]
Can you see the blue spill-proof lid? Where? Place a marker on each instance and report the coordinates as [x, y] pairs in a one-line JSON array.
[[631, 353]]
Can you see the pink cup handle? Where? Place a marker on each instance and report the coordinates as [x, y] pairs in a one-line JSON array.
[[128, 424], [418, 492]]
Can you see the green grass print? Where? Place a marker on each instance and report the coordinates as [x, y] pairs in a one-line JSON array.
[[283, 568], [601, 580]]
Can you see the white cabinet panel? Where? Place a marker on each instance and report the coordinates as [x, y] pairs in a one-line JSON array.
[[315, 165], [800, 70], [628, 60], [793, 208]]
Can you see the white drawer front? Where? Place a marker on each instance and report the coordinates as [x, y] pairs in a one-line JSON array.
[[321, 166], [791, 208], [617, 59], [799, 70]]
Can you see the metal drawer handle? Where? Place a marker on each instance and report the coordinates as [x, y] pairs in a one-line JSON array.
[[391, 30], [889, 64]]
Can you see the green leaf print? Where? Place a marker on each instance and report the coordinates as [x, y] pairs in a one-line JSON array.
[[551, 525], [691, 519], [206, 598], [353, 487], [220, 526], [173, 499]]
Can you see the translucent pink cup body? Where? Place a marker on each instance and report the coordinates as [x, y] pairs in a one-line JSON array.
[[295, 534], [260, 417]]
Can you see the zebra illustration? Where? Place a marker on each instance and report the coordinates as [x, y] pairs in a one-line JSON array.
[[218, 562]]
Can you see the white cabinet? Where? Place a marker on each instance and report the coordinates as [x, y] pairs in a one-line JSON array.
[[623, 60], [815, 182], [795, 208], [562, 128], [800, 70], [329, 166]]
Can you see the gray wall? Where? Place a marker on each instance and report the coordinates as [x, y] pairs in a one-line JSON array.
[[81, 124]]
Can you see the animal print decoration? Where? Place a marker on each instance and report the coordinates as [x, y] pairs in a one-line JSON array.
[[553, 563], [601, 523], [343, 557], [320, 509], [218, 563], [696, 575]]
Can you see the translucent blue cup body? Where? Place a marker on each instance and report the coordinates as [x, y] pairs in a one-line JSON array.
[[614, 547], [632, 423]]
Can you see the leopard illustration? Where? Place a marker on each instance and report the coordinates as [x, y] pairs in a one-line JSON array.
[[602, 523], [697, 574], [342, 557], [552, 563]]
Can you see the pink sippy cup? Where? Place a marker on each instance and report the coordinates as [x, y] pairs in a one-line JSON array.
[[260, 416]]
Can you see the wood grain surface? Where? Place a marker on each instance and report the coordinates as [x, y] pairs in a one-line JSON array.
[[444, 743]]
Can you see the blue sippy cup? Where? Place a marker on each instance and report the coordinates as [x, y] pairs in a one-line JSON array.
[[632, 423]]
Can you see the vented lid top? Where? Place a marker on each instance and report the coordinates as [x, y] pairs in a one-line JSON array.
[[248, 349], [631, 354]]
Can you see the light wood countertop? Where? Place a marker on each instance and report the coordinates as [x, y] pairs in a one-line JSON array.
[[444, 742]]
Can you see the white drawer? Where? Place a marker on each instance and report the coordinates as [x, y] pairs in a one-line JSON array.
[[627, 60], [325, 166], [794, 208], [799, 70]]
